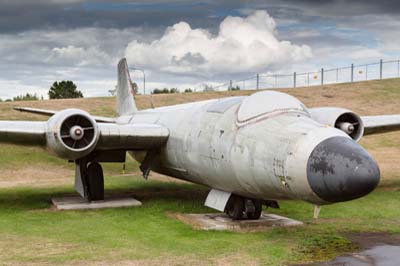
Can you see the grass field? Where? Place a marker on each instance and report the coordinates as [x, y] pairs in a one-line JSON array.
[[33, 234]]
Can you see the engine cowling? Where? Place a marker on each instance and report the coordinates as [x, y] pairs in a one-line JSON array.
[[340, 118], [72, 134]]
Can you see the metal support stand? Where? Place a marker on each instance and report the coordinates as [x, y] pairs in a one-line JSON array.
[[317, 210]]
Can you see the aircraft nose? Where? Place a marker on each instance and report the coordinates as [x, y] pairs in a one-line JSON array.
[[339, 169]]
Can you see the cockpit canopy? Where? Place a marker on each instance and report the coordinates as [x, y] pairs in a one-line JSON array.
[[265, 102]]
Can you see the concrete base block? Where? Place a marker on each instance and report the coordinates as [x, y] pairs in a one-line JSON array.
[[78, 203], [221, 222]]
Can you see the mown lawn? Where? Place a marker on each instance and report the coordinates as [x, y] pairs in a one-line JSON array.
[[32, 233]]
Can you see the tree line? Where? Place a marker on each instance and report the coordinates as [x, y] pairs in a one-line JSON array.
[[65, 89]]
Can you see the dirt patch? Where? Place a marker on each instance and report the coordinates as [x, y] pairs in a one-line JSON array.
[[36, 176], [369, 240], [228, 260], [15, 248]]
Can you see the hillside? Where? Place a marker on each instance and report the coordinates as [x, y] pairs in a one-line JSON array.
[[365, 98], [371, 97]]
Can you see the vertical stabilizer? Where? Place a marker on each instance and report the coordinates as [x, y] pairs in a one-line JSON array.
[[125, 92]]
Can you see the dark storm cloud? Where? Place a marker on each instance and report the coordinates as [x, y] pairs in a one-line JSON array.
[[17, 16]]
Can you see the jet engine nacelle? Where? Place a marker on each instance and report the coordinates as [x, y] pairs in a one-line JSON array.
[[72, 134], [340, 118]]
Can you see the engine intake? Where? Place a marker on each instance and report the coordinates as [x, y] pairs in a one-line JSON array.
[[340, 118], [72, 134]]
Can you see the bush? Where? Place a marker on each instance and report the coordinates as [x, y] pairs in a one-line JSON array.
[[26, 97], [237, 88], [165, 90]]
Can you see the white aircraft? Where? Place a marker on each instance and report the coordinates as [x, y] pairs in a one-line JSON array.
[[248, 150]]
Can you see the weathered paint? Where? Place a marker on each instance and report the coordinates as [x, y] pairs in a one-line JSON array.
[[264, 156]]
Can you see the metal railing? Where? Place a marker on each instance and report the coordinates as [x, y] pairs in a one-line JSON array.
[[352, 73]]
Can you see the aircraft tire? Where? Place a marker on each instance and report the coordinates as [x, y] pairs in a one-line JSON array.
[[235, 207], [256, 212], [96, 182]]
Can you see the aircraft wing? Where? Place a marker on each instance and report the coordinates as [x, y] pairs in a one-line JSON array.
[[111, 136], [45, 112], [380, 123]]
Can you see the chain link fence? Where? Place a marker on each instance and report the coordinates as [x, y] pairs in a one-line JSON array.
[[352, 73]]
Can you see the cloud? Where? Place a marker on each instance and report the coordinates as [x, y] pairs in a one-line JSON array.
[[242, 45], [78, 56]]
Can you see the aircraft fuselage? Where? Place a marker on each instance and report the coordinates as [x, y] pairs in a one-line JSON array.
[[262, 152]]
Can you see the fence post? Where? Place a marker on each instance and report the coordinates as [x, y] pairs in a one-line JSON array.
[[258, 81], [276, 81], [366, 72], [308, 79], [322, 76], [294, 80], [352, 73], [337, 75], [398, 68], [380, 68], [230, 85]]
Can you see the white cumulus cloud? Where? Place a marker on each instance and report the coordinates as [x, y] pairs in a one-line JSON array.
[[242, 45]]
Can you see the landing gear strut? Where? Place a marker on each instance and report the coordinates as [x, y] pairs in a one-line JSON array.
[[89, 180], [239, 207]]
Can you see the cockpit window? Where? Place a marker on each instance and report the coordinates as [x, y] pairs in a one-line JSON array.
[[268, 102], [222, 105]]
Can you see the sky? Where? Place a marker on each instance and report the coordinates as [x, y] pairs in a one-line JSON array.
[[185, 44]]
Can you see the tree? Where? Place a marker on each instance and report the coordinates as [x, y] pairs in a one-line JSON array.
[[64, 90], [188, 90], [174, 90], [26, 97], [237, 88]]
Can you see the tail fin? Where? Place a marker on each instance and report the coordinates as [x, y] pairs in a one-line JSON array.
[[125, 92]]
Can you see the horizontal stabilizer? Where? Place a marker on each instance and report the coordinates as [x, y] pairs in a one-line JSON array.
[[45, 112]]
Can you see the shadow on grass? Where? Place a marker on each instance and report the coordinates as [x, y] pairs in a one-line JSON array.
[[24, 198]]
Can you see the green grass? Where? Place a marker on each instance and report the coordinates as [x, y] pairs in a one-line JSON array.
[[30, 230]]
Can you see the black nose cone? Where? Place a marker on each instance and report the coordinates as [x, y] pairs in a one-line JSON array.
[[339, 169]]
